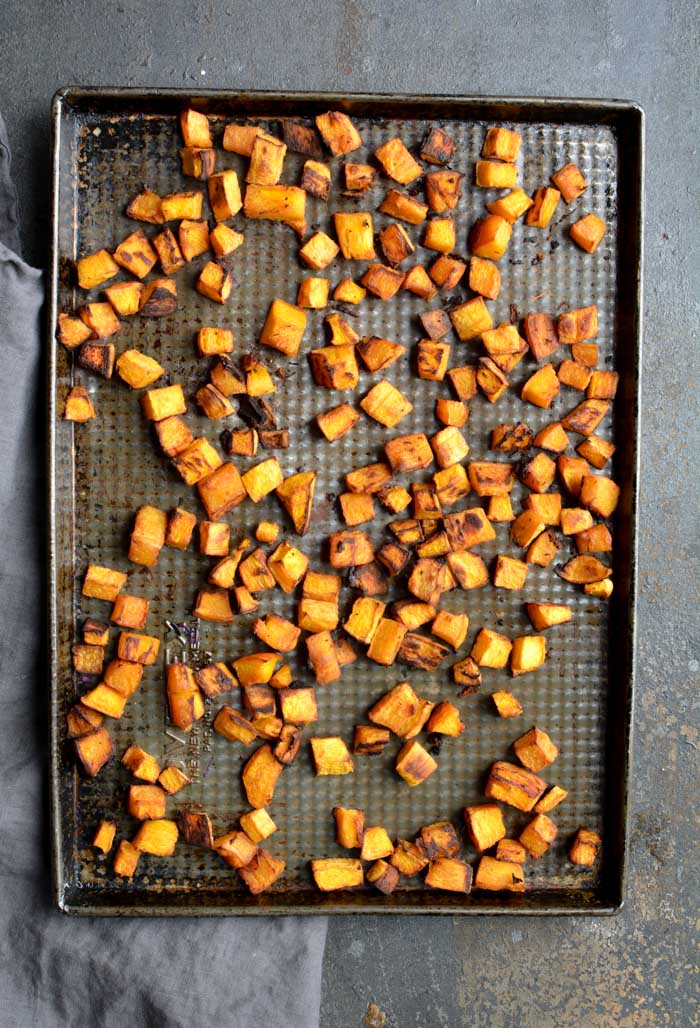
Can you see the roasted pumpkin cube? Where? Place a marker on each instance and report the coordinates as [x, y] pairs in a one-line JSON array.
[[72, 330], [440, 235], [573, 520], [173, 779], [438, 147], [181, 206], [355, 234], [298, 706], [146, 802], [335, 367], [383, 876], [319, 251], [397, 162], [547, 507], [588, 232], [414, 764], [570, 182], [260, 776], [502, 143], [266, 159], [224, 240], [212, 341], [195, 128], [511, 207], [494, 175], [277, 632], [596, 539], [541, 388], [572, 470], [146, 207], [148, 535], [215, 679], [257, 824], [262, 872], [538, 474], [467, 528], [451, 412], [485, 825], [104, 836], [584, 847], [158, 837], [214, 404], [94, 748], [356, 508], [130, 611], [408, 858], [256, 668], [572, 374], [87, 659], [439, 840], [489, 237], [491, 478], [553, 438], [96, 268], [323, 657], [436, 323], [233, 725], [491, 649], [450, 874], [165, 402], [504, 346], [514, 785], [500, 509], [535, 750], [499, 875], [224, 190], [463, 381], [386, 404], [577, 325], [543, 549], [382, 281], [376, 843], [95, 633], [348, 291], [262, 479], [409, 453], [528, 653], [288, 566], [484, 278], [236, 848], [511, 850], [490, 379], [316, 179], [338, 132], [197, 163], [137, 369], [538, 835], [585, 418], [123, 676]]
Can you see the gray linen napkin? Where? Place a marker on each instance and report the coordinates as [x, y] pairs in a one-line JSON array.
[[55, 970]]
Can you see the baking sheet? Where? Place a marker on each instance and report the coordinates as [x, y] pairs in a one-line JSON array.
[[107, 145]]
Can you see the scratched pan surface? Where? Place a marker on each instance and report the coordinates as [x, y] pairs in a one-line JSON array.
[[107, 146]]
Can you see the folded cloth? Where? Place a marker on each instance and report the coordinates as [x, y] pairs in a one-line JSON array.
[[57, 970]]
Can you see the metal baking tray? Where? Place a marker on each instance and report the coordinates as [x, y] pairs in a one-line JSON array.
[[107, 145]]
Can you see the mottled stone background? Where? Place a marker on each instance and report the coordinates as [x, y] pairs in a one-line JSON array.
[[639, 968]]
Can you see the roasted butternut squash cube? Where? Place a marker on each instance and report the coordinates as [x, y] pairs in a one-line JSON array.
[[443, 189], [130, 611], [538, 474], [219, 490], [165, 402], [489, 237], [572, 470], [438, 147], [546, 615], [236, 848], [547, 506], [123, 676], [570, 182], [137, 369], [146, 206], [596, 539], [125, 297], [418, 281], [538, 835], [596, 451], [451, 412], [213, 605], [225, 193], [491, 478], [397, 162], [257, 824], [511, 850], [331, 756], [599, 495], [585, 418], [195, 128], [245, 601], [466, 673], [276, 203], [355, 234], [148, 535], [491, 649], [514, 785], [383, 876], [506, 704], [79, 406], [319, 251], [541, 388], [494, 175], [585, 847], [288, 565], [445, 720], [72, 330], [432, 359], [126, 859], [552, 438], [396, 245], [535, 750], [485, 825], [502, 143], [484, 278], [193, 238], [214, 538], [602, 385], [356, 508], [471, 319], [529, 652], [146, 802], [224, 240], [96, 268], [266, 160], [490, 379], [335, 367], [158, 837], [173, 779], [376, 843], [510, 207], [414, 764], [196, 163], [87, 659], [316, 179], [179, 528], [234, 726], [588, 232], [296, 495], [215, 679], [262, 872], [338, 132], [214, 282], [497, 875], [103, 323], [335, 873], [572, 374], [104, 836], [504, 346], [94, 748], [386, 404], [313, 293], [544, 204], [382, 281], [577, 325], [136, 254], [406, 208], [240, 138], [440, 234], [184, 699], [262, 479], [323, 657], [467, 528], [574, 520], [409, 453], [260, 776], [348, 291], [181, 206], [509, 573], [450, 874], [212, 341], [543, 549]]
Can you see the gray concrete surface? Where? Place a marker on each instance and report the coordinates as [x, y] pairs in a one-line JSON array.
[[639, 968]]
